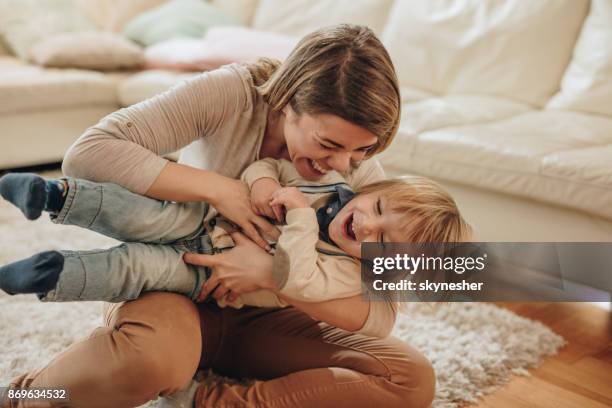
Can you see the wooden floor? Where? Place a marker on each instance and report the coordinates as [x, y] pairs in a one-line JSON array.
[[580, 376]]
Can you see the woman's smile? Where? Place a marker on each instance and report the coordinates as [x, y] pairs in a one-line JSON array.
[[307, 168], [314, 168], [318, 167]]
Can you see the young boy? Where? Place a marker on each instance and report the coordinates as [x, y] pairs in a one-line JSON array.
[[316, 256]]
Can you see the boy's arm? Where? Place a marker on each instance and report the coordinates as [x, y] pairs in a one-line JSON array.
[[381, 318], [300, 270], [266, 168], [263, 178], [295, 258], [356, 314]]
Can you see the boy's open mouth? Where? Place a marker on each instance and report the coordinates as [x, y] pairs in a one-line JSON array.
[[348, 227]]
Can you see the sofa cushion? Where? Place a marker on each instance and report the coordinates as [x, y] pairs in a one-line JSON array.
[[24, 23], [454, 110], [300, 17], [587, 84], [109, 52], [412, 94], [241, 11], [422, 112], [552, 156], [43, 136], [175, 19], [590, 165], [514, 49], [28, 88], [113, 15], [147, 84]]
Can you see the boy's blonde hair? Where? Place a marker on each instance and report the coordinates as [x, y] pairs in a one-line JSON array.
[[429, 216], [429, 213]]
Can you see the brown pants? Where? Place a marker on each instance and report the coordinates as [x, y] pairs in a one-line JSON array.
[[153, 346]]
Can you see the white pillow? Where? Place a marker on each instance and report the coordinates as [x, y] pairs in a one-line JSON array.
[[178, 54], [510, 48], [24, 23], [221, 45], [113, 15], [300, 17], [243, 44], [587, 84], [97, 50]]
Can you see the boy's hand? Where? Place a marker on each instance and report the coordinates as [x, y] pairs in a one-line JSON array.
[[262, 191], [290, 198]]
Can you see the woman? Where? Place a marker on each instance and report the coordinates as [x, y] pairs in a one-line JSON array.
[[333, 103]]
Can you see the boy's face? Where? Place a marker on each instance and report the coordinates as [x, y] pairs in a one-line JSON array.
[[366, 218]]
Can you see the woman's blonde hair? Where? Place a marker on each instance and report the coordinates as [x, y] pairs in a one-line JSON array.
[[342, 70]]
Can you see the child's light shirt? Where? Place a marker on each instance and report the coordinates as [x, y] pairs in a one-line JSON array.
[[305, 267]]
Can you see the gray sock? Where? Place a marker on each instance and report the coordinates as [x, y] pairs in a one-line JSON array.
[[37, 274]]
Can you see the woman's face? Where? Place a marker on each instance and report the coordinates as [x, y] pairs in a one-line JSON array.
[[323, 142], [366, 218]]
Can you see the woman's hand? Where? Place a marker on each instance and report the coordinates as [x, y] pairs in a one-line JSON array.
[[262, 191], [233, 201], [232, 274], [181, 183]]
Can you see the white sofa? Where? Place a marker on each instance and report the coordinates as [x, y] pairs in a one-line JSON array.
[[42, 111], [508, 103]]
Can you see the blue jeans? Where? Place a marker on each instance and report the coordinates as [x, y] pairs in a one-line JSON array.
[[155, 233]]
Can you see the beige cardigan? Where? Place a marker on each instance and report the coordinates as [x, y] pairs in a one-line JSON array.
[[217, 118]]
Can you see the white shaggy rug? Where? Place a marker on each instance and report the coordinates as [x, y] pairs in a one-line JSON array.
[[474, 347]]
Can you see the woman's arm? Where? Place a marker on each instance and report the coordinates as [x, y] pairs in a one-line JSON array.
[[181, 183], [126, 146]]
